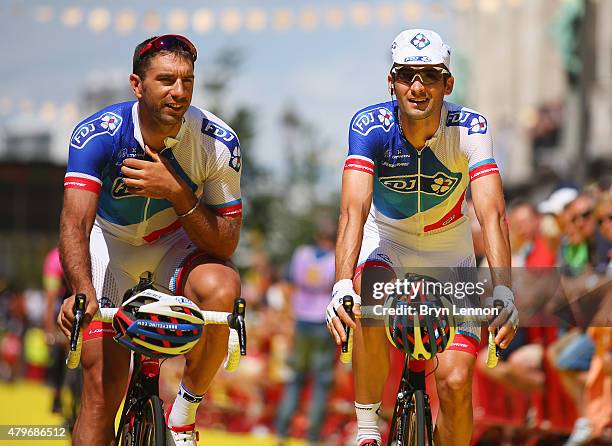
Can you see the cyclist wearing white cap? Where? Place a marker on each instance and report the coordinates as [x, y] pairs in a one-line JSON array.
[[409, 164]]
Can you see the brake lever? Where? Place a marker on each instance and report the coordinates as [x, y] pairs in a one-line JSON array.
[[500, 306], [237, 322], [347, 303], [79, 312]]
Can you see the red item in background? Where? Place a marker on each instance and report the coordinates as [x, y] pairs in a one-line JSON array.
[[541, 254]]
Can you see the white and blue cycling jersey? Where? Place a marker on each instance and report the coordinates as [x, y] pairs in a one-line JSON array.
[[205, 154], [419, 192]]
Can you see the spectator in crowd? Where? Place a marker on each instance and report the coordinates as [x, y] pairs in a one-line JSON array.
[[521, 362], [577, 247], [599, 383], [551, 210], [13, 326], [529, 247], [598, 392], [571, 353], [54, 287], [311, 272], [603, 234]]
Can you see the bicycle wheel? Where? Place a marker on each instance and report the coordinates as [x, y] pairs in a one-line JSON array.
[[398, 426], [127, 430], [152, 429], [415, 434]]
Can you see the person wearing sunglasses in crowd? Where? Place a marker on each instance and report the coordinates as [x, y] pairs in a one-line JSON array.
[[603, 215], [409, 164], [151, 185]]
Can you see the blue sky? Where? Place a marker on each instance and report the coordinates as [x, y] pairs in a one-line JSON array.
[[327, 74]]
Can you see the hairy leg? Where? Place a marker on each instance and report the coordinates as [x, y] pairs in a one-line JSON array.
[[454, 385], [212, 285], [105, 367]]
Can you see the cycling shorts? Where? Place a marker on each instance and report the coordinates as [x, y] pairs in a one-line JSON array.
[[394, 251], [116, 266]]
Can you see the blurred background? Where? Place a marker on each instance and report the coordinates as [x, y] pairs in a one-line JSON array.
[[288, 76]]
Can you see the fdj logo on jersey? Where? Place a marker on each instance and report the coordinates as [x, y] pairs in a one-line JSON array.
[[228, 138], [439, 184], [369, 120], [403, 184], [119, 189], [473, 121], [108, 123]]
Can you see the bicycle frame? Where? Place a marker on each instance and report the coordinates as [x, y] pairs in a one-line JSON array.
[[142, 397], [411, 382], [144, 383]]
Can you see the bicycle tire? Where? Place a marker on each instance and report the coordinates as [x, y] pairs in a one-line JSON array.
[[152, 431], [415, 434]]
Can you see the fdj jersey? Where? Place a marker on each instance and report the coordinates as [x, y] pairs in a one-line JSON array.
[[205, 154], [419, 191]]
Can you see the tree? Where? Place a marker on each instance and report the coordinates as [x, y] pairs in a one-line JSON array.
[[279, 214]]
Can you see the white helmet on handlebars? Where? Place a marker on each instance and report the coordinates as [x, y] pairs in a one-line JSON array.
[[158, 325]]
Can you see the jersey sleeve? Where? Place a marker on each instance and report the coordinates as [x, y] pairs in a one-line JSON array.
[[365, 137], [91, 146], [222, 186], [476, 143]]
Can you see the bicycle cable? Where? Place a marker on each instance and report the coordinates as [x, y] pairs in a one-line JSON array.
[[435, 368]]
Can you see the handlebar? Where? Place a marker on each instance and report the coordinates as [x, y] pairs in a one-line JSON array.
[[347, 345], [79, 313], [493, 350], [235, 321]]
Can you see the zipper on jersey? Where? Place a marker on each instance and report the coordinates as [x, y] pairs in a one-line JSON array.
[[420, 217], [142, 226], [418, 181]]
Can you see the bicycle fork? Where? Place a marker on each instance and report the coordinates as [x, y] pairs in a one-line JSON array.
[[412, 399]]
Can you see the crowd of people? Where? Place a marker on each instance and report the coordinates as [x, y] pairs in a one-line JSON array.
[[567, 239], [291, 383]]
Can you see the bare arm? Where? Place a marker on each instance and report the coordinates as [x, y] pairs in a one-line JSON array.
[[213, 234], [78, 214], [489, 206], [490, 210], [357, 189]]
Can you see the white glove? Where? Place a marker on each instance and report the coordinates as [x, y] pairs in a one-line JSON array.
[[342, 288], [505, 294]]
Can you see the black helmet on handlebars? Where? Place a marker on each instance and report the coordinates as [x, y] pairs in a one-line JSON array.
[[414, 327]]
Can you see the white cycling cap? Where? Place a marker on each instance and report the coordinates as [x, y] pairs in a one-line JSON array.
[[558, 200], [420, 47]]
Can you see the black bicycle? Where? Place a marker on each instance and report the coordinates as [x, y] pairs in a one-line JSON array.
[[142, 421], [412, 421]]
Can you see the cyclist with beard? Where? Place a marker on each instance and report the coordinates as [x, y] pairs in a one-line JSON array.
[[151, 185]]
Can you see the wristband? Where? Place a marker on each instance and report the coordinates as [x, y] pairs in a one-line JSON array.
[[190, 211], [344, 285]]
